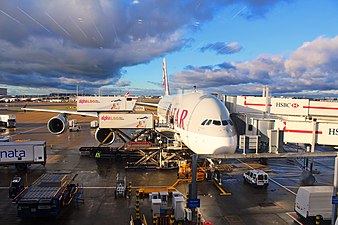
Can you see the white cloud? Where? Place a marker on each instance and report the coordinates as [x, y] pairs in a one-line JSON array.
[[316, 58], [312, 68]]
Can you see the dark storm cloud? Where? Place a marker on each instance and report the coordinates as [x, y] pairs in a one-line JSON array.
[[59, 43], [222, 48]]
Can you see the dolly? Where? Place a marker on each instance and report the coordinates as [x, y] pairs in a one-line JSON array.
[[47, 196]]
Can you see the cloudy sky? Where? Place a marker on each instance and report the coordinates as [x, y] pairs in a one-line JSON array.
[[230, 46]]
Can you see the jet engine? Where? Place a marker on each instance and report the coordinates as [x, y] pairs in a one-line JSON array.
[[57, 124], [101, 135]]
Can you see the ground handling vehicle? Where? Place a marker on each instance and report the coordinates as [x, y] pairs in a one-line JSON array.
[[15, 187], [121, 187], [312, 201], [259, 178], [8, 120], [47, 196], [22, 154], [73, 125]]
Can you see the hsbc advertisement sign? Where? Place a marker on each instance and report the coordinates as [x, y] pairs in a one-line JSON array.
[[289, 106]]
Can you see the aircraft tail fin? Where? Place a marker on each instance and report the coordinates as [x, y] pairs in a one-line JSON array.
[[165, 78]]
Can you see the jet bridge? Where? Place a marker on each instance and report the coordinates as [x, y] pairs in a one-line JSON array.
[[277, 120]]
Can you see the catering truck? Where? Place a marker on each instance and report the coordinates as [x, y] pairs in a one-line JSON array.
[[22, 154], [313, 201], [8, 120]]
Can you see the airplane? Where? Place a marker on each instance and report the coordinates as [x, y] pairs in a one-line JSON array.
[[200, 120]]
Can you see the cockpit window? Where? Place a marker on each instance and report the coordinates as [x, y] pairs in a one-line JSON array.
[[224, 122], [203, 123], [216, 122]]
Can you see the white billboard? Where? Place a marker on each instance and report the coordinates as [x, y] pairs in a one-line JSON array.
[[105, 103], [126, 120]]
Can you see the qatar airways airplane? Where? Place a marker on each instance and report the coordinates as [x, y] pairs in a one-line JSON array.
[[201, 121]]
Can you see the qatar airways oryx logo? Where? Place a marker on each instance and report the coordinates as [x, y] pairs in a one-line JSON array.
[[107, 117], [287, 105], [9, 154], [88, 101]]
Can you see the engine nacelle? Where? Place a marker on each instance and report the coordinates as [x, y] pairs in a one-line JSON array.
[[101, 135], [57, 124]]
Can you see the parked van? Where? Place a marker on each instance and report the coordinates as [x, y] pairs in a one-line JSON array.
[[312, 201], [256, 177]]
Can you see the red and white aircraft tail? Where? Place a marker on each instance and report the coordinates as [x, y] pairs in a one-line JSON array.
[[165, 78]]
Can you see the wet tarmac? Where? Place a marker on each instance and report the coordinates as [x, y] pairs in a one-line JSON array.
[[245, 205]]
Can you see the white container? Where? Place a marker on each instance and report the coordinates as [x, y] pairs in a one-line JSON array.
[[156, 207], [164, 198], [179, 205], [94, 124]]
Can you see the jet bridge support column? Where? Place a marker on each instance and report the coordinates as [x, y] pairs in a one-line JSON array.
[[193, 176], [334, 194], [193, 193], [314, 140]]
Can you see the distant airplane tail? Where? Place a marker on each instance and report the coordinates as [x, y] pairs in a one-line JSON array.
[[165, 78]]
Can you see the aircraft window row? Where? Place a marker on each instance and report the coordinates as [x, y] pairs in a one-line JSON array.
[[217, 122]]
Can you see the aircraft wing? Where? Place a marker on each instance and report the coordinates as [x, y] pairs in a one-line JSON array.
[[67, 112], [155, 105]]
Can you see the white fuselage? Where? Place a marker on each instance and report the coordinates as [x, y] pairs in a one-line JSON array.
[[202, 121]]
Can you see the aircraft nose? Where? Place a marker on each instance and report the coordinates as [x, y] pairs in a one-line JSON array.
[[226, 145]]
